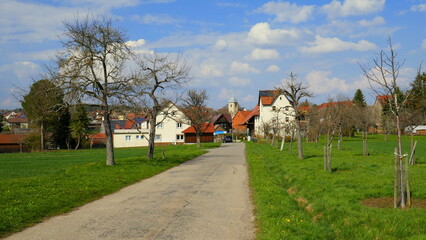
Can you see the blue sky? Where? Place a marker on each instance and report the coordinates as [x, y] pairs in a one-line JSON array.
[[234, 48]]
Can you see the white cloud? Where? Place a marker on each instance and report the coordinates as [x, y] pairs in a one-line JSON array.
[[424, 44], [210, 70], [262, 34], [321, 82], [156, 19], [325, 45], [32, 21], [263, 54], [273, 68], [102, 3], [238, 82], [376, 21], [352, 7], [220, 44], [287, 12], [226, 94], [249, 98], [419, 8], [238, 67], [137, 43]]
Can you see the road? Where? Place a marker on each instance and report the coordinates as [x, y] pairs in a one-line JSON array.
[[205, 198]]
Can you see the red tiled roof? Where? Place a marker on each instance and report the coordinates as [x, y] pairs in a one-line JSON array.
[[331, 104], [207, 127], [254, 112], [12, 138], [98, 136], [267, 97], [383, 98], [17, 120]]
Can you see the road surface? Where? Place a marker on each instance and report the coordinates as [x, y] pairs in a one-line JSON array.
[[205, 198]]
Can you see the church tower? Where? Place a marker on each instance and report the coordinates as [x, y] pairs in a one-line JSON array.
[[233, 107]]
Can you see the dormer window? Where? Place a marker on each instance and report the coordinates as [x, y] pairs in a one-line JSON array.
[[274, 108]]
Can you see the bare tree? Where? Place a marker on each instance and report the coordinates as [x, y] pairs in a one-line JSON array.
[[92, 65], [383, 76], [159, 77], [365, 117], [195, 109], [294, 91]]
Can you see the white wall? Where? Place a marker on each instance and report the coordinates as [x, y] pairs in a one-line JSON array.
[[280, 109]]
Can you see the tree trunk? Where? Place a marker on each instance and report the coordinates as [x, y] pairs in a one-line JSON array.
[[413, 147], [151, 139], [401, 172], [78, 143], [42, 136], [395, 179], [299, 140], [364, 143], [407, 184], [198, 141], [282, 142], [109, 141]]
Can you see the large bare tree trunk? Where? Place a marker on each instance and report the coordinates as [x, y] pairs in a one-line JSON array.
[[151, 139], [109, 141]]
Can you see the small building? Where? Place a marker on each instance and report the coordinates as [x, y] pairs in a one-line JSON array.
[[135, 133], [224, 121], [13, 143], [238, 121], [206, 136]]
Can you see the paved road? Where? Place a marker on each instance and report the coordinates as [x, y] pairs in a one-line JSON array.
[[205, 198]]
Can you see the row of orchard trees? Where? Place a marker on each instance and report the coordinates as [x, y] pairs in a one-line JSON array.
[[97, 65], [340, 116]]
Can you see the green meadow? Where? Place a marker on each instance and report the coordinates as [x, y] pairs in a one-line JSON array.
[[297, 199], [35, 186]]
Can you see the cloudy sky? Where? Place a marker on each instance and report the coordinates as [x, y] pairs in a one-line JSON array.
[[234, 48]]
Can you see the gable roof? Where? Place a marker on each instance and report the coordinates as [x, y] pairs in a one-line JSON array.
[[267, 97], [207, 127], [226, 116], [253, 113]]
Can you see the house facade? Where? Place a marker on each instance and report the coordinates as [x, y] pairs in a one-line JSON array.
[[170, 124], [274, 109]]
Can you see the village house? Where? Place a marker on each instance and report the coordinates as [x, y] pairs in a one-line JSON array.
[[272, 108], [170, 124]]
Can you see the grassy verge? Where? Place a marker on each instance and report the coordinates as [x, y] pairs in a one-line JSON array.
[[38, 185], [296, 199]]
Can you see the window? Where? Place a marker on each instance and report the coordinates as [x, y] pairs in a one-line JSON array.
[[179, 125], [128, 137], [287, 119], [142, 137], [158, 137], [137, 137], [286, 108], [160, 125], [274, 108], [179, 137]]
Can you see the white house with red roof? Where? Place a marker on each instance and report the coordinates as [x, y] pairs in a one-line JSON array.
[[272, 108], [170, 124]]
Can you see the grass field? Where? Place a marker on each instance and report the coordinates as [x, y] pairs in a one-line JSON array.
[[38, 185], [296, 199]]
